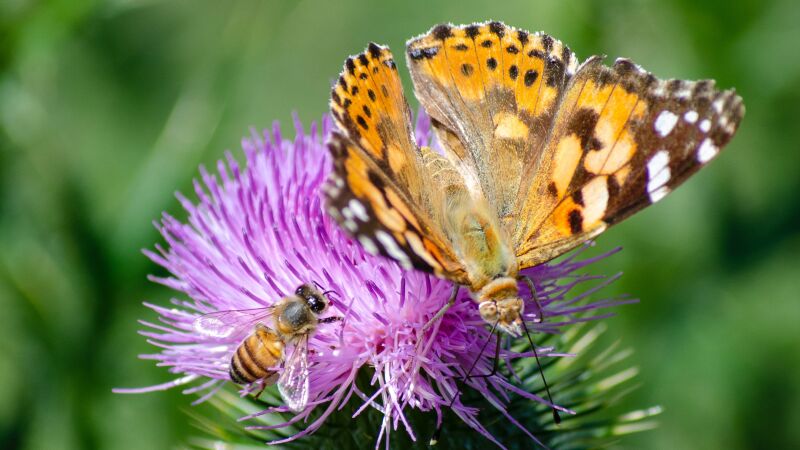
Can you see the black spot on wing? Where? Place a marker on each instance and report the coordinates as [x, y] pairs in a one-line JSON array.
[[442, 32], [547, 43], [575, 221], [522, 35], [497, 28], [530, 77], [582, 124], [423, 53], [374, 50]]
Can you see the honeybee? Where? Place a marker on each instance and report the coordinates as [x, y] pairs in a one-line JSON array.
[[263, 349]]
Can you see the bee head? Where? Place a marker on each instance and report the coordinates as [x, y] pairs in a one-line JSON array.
[[315, 300]]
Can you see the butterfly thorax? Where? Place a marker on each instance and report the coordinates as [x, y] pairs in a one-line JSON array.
[[480, 242]]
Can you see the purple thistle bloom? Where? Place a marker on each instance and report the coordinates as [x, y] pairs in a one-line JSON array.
[[260, 231]]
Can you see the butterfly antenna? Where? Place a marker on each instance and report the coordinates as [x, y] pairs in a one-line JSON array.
[[556, 417], [438, 432]]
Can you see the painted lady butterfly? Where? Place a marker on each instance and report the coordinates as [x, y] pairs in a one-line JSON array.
[[541, 153]]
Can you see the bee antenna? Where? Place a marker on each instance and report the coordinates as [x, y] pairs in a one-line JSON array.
[[438, 432], [318, 285], [556, 417]]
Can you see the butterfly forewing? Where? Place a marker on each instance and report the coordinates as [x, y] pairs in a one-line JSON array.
[[621, 141], [492, 91], [377, 189]]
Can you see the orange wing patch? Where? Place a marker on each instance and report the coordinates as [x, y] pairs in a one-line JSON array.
[[368, 102]]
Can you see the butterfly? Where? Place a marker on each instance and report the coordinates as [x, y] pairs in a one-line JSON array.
[[540, 153]]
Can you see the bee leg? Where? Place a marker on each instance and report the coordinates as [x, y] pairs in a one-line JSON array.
[[330, 319], [532, 287], [266, 381], [260, 391], [444, 309]]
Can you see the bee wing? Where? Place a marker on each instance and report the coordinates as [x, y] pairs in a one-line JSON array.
[[223, 324], [293, 382]]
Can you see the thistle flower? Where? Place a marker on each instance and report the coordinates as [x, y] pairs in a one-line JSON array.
[[258, 232]]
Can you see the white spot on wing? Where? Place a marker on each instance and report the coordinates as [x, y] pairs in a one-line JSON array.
[[685, 91], [658, 194], [691, 116], [368, 244], [392, 249], [705, 125], [717, 105], [665, 122], [358, 209], [707, 151], [658, 175]]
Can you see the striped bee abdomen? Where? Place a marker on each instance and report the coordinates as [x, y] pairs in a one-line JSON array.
[[256, 357]]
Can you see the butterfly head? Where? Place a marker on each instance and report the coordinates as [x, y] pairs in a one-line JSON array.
[[500, 304], [506, 313]]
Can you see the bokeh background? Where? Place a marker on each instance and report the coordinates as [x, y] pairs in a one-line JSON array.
[[107, 108]]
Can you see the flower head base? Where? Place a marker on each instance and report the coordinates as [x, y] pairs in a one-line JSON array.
[[259, 232]]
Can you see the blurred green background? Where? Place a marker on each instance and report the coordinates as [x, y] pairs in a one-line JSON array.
[[106, 108]]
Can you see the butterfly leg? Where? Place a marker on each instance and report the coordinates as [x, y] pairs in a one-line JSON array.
[[444, 309], [532, 287], [495, 364], [438, 432]]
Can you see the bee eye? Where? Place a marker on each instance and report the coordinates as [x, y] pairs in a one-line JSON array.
[[315, 304], [300, 291]]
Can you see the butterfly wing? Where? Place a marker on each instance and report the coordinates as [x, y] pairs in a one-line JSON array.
[[378, 190], [491, 91], [293, 382], [234, 323], [622, 139]]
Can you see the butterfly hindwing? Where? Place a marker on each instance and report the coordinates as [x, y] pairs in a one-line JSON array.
[[622, 139]]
